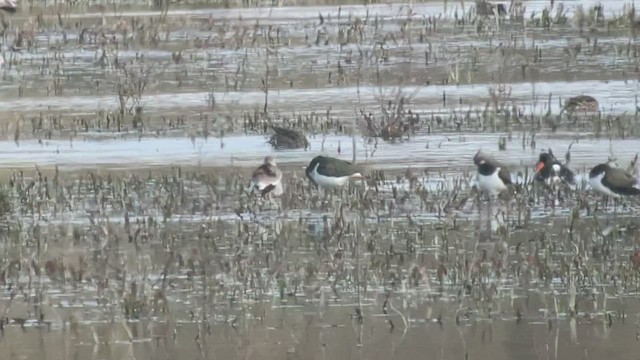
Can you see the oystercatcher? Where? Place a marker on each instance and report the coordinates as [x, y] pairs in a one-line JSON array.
[[550, 169]]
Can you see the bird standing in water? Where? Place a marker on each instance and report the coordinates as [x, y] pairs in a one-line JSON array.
[[493, 178], [613, 182], [328, 173], [267, 178], [551, 170]]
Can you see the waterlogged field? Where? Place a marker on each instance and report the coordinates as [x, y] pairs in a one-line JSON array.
[[130, 130]]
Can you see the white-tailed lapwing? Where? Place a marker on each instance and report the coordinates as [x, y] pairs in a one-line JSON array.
[[328, 172], [267, 178], [549, 169], [613, 182], [493, 178]]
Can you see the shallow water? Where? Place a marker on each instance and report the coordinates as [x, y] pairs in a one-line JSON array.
[[614, 96], [310, 333], [434, 8], [303, 73], [446, 151]]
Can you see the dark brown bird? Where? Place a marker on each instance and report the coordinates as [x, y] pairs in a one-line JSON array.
[[284, 138], [485, 8], [581, 103]]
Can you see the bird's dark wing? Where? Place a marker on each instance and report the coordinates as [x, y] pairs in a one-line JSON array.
[[267, 189], [338, 168], [265, 170], [284, 131], [288, 138], [504, 175], [567, 175], [620, 182]]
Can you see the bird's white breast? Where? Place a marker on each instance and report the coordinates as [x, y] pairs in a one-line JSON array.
[[491, 184], [328, 181], [596, 184]]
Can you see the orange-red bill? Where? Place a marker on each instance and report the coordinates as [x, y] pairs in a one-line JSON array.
[[539, 167]]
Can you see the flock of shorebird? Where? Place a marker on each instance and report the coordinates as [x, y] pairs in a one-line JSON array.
[[326, 172], [492, 177]]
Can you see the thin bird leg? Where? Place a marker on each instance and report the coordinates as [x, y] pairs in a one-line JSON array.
[[341, 193], [479, 198], [490, 218]]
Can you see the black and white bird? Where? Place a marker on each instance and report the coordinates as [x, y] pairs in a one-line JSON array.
[[267, 178], [493, 178], [613, 182], [328, 172], [550, 169], [9, 6]]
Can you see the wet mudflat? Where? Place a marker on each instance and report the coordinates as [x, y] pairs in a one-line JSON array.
[[129, 135]]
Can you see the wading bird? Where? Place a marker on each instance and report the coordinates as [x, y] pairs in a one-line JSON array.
[[328, 173], [493, 178], [267, 178], [550, 169], [284, 138], [582, 104], [613, 182]]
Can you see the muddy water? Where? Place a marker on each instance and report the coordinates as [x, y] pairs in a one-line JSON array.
[[305, 333], [315, 322]]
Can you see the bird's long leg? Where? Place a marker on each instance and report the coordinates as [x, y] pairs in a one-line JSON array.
[[556, 194], [324, 195], [342, 196], [490, 210], [479, 202], [273, 202]]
